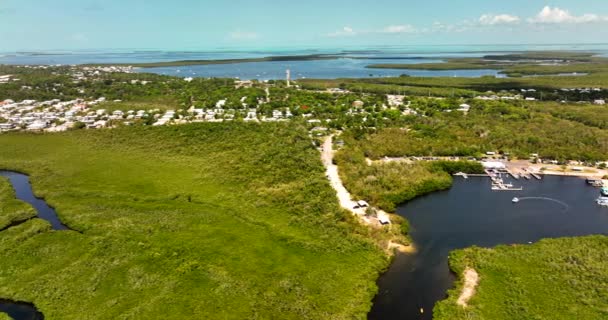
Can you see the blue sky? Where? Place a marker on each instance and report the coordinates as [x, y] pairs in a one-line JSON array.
[[211, 24]]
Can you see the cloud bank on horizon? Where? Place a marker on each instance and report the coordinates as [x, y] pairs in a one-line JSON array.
[[547, 16]]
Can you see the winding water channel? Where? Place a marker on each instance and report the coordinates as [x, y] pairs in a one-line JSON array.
[[471, 214], [23, 190]]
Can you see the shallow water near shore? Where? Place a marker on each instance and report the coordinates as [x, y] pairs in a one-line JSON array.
[[472, 214]]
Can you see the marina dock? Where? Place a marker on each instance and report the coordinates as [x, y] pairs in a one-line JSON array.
[[496, 175], [535, 175], [498, 183]]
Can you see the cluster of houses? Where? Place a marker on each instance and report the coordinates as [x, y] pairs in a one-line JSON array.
[[56, 115], [495, 97], [7, 78], [398, 101], [219, 114], [581, 90], [84, 73], [53, 115]]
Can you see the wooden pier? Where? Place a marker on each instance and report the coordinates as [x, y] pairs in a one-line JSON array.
[[535, 175], [497, 188], [514, 175]]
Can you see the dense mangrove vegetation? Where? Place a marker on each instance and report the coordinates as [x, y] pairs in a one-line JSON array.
[[495, 126], [388, 184], [207, 221], [593, 116], [553, 279], [518, 64]]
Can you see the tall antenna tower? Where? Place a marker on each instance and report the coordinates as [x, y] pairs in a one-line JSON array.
[[288, 74]]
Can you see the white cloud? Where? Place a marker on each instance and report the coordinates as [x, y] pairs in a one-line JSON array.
[[79, 37], [243, 35], [440, 27], [501, 19], [486, 23], [556, 15], [395, 29], [344, 32]]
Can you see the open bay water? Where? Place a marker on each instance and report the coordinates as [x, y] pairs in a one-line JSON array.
[[315, 69], [351, 65], [469, 214]]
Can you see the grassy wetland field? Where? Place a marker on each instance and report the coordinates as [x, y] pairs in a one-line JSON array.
[[559, 279], [198, 221]]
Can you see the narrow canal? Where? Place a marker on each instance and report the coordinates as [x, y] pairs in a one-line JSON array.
[[23, 190], [472, 214]]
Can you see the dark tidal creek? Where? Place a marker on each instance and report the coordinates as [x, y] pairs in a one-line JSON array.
[[23, 190], [20, 310], [469, 214]]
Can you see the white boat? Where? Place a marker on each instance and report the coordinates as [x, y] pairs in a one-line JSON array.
[[602, 201], [462, 174], [515, 200]]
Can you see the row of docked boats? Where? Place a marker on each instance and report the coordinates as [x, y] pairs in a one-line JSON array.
[[498, 184], [603, 199], [595, 182]]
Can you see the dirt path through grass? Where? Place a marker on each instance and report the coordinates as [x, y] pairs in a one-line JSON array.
[[471, 279]]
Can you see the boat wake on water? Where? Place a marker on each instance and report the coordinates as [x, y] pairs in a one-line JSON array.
[[563, 204]]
